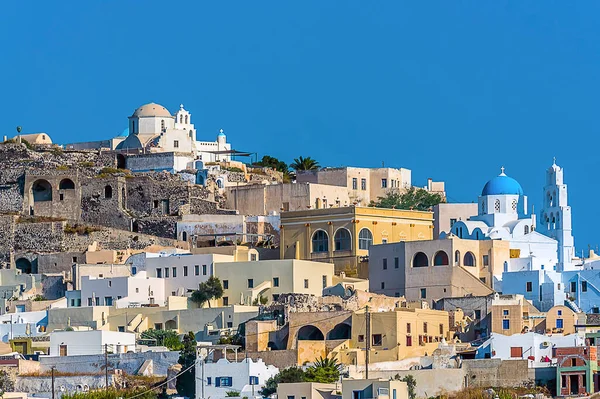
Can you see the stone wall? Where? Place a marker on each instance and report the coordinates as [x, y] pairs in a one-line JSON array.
[[497, 373], [42, 385]]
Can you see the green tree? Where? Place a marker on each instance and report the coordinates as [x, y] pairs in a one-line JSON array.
[[411, 383], [210, 289], [186, 381], [280, 166], [414, 198], [6, 383], [167, 338], [325, 370], [302, 163], [291, 374]]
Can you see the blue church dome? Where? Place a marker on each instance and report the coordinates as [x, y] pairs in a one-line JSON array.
[[125, 133], [502, 185]]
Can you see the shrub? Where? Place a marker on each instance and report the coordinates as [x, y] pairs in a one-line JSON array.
[[80, 229]]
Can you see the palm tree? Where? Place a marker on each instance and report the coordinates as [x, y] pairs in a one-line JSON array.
[[302, 163]]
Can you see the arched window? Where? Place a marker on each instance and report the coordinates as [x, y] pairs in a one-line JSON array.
[[318, 203], [440, 259], [365, 239], [482, 207], [420, 260], [66, 184], [342, 240], [469, 259], [162, 125], [320, 241], [219, 183], [456, 258], [108, 192], [497, 205], [181, 118], [132, 127], [41, 190], [526, 229], [186, 119], [514, 205], [310, 333]]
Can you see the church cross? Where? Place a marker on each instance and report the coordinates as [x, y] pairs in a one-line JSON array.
[[502, 169]]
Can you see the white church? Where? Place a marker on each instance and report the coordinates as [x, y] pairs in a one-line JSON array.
[[503, 215]]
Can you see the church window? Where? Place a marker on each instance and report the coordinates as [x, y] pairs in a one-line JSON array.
[[526, 229], [363, 184], [181, 118], [108, 192], [497, 205], [456, 258], [176, 144], [162, 125], [132, 127], [186, 119], [483, 207], [514, 205]]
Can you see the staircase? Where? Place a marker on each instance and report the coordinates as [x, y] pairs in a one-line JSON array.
[[572, 305]]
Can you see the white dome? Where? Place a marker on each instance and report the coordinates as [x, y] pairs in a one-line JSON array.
[[151, 109]]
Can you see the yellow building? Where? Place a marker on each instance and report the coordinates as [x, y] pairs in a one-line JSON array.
[[343, 235], [396, 335], [561, 320], [513, 314], [245, 282]]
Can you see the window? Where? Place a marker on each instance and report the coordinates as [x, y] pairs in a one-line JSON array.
[[529, 286], [155, 204], [208, 380], [176, 144], [505, 312], [275, 297], [384, 263], [223, 381], [185, 271], [559, 312], [424, 327], [158, 272], [363, 184], [225, 301], [383, 183], [559, 323], [250, 283], [253, 380], [108, 301], [97, 301], [584, 286], [158, 326], [477, 314], [354, 183], [506, 324], [320, 241], [108, 192], [408, 340], [62, 350], [573, 286], [497, 205], [90, 302], [396, 263], [225, 284], [121, 328], [305, 283], [204, 270], [361, 338], [166, 272], [133, 270], [441, 329], [109, 283], [342, 240], [423, 293], [514, 205], [573, 362], [384, 241], [596, 310], [377, 340], [516, 351], [324, 281], [383, 285], [197, 270], [275, 281], [564, 381], [174, 272], [365, 239], [486, 260], [253, 258], [452, 221]]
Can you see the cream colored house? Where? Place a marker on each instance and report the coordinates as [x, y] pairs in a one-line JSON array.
[[434, 269], [307, 390], [245, 282], [344, 235], [34, 138], [513, 314], [374, 389]]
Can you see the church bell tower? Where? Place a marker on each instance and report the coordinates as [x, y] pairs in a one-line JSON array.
[[555, 217]]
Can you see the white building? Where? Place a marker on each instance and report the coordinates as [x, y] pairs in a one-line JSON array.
[[23, 324], [93, 342], [246, 377], [121, 291], [153, 129], [533, 346]]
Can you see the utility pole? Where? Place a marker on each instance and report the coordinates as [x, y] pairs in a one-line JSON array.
[[367, 341], [52, 370], [106, 364], [202, 368]]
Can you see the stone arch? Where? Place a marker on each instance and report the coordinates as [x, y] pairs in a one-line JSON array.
[[24, 265], [66, 184], [121, 161], [469, 259], [365, 238], [441, 259], [420, 260], [340, 331], [41, 190], [108, 191], [342, 239], [310, 333], [171, 325]]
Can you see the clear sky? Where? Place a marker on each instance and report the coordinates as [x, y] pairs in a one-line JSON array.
[[450, 89]]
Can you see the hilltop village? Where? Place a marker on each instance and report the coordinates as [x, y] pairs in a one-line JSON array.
[[158, 262]]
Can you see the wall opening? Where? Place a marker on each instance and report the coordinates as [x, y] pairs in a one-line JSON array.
[[310, 333], [41, 190]]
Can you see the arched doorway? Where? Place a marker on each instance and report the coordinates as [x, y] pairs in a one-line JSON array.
[[24, 265], [310, 333], [340, 331], [420, 260], [121, 161], [41, 190]]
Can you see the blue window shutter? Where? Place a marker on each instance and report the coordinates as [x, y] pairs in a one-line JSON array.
[[208, 380], [218, 381], [229, 381]]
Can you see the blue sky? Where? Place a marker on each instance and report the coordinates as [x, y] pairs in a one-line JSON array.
[[450, 89]]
